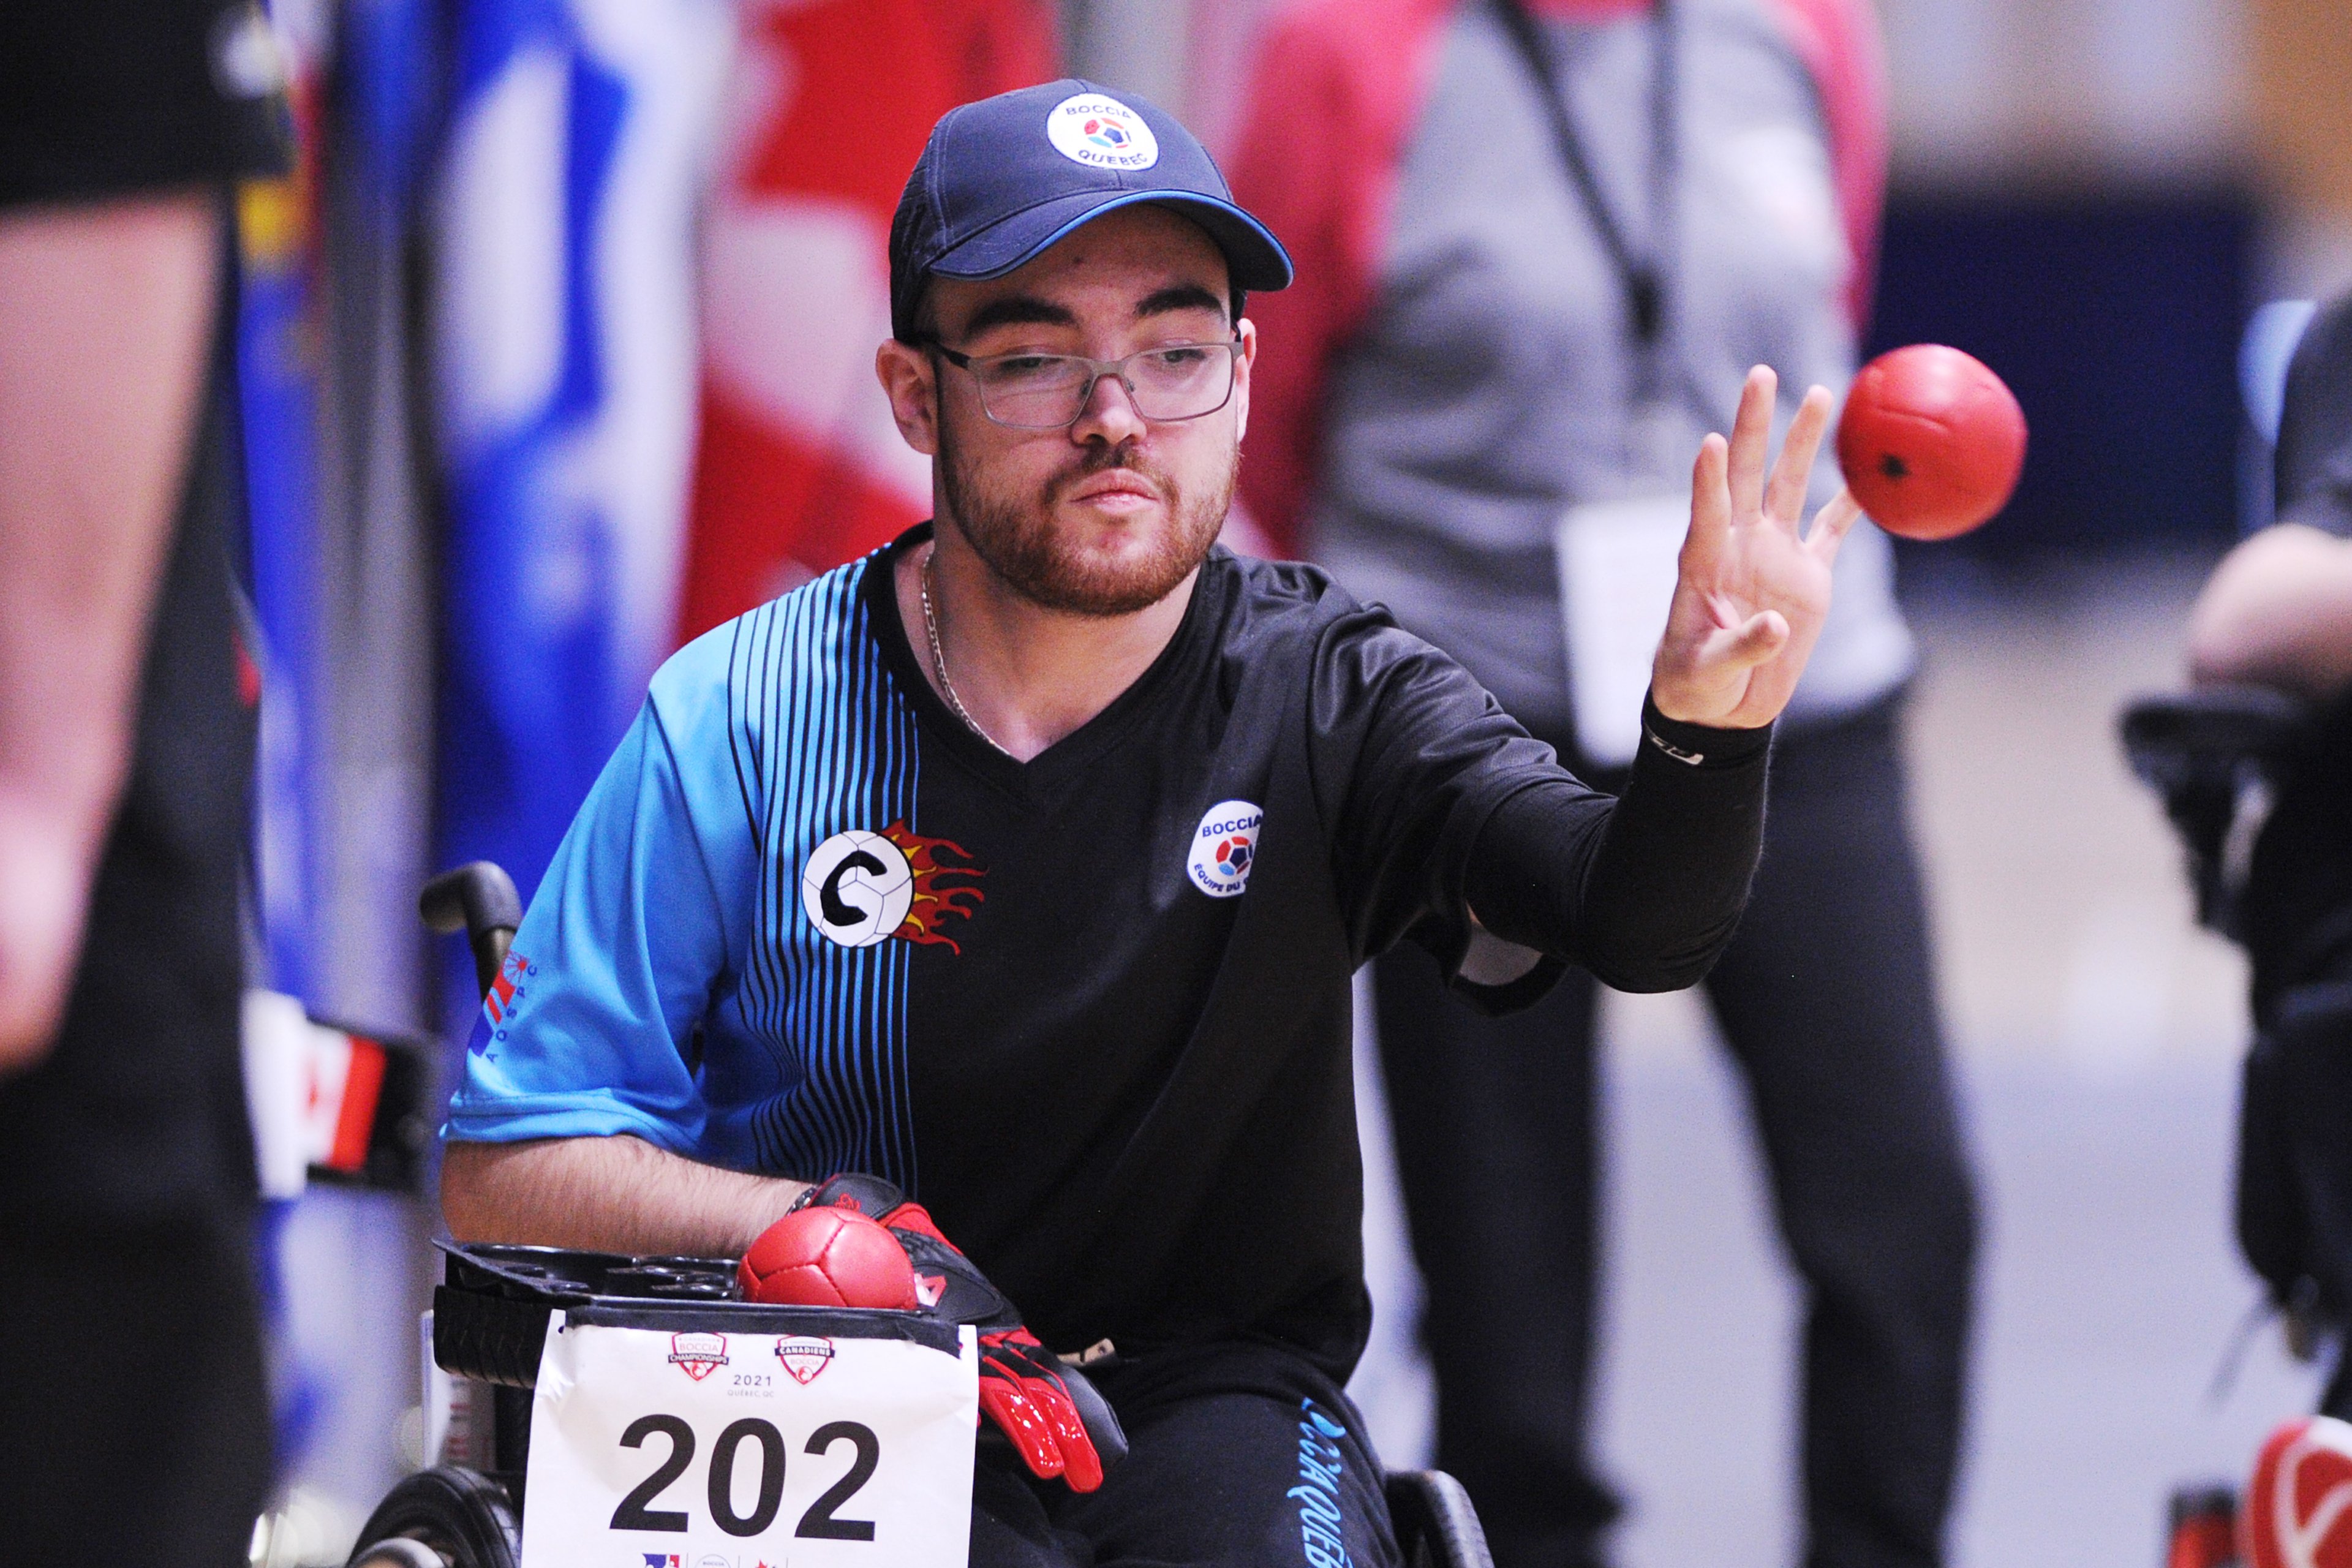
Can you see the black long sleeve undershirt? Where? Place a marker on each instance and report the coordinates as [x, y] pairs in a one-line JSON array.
[[1645, 889]]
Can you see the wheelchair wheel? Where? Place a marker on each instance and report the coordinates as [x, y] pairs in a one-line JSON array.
[[1436, 1525], [442, 1517]]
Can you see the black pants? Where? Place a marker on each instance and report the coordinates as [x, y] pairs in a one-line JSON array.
[[1826, 999], [136, 1424], [1240, 1455]]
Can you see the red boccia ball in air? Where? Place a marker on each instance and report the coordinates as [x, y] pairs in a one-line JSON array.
[[1931, 441], [828, 1258]]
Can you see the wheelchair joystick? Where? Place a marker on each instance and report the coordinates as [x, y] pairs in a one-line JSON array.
[[479, 900]]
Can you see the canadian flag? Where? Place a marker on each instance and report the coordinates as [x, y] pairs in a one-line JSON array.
[[799, 466]]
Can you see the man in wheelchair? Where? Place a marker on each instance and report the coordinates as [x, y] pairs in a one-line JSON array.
[[1021, 868]]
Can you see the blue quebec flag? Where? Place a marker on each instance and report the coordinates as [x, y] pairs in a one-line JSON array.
[[566, 357]]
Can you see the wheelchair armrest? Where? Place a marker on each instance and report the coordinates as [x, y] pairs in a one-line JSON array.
[[2185, 739], [1436, 1525], [2209, 753]]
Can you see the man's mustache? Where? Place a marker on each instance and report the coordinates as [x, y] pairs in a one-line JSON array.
[[1109, 460]]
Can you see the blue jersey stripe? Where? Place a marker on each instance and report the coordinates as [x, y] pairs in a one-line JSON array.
[[823, 745]]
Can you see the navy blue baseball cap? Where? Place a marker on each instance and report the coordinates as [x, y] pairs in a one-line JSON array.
[[1002, 179]]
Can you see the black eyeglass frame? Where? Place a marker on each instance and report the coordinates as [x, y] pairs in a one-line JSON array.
[[1096, 370]]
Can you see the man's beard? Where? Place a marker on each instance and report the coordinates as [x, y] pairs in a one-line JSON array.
[[1018, 540]]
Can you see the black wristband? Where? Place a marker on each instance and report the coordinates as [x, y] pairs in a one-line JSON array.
[[1700, 745]]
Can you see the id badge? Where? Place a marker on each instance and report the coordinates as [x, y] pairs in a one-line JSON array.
[[1617, 570], [729, 1450]]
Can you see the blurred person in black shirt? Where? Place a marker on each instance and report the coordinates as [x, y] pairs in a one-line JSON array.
[[2277, 613], [2278, 610], [137, 1425]]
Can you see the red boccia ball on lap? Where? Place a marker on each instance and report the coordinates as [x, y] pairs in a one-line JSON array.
[[828, 1258], [1931, 441]]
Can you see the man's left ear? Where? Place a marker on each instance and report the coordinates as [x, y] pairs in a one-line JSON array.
[[909, 380]]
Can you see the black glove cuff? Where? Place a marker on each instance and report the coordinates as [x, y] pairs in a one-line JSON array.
[[951, 1286], [1700, 745], [869, 1196]]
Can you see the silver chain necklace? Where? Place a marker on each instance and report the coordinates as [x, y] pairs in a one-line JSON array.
[[940, 659]]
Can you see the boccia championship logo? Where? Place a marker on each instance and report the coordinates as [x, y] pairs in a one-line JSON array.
[[1225, 848], [1101, 132], [698, 1355]]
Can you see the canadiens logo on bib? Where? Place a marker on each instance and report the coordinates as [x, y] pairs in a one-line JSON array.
[[1101, 132], [804, 1356], [859, 888], [1225, 848]]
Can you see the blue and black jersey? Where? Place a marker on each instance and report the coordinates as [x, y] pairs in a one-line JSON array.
[[1092, 1009]]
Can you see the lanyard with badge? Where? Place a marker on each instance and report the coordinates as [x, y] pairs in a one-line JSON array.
[[1617, 555]]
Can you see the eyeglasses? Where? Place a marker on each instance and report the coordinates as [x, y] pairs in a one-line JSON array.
[[1049, 392]]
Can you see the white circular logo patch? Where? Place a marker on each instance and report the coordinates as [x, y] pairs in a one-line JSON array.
[[857, 887], [1101, 132], [1225, 848]]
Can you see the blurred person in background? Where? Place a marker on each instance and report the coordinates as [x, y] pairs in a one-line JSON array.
[[1538, 242], [137, 1428], [2277, 613]]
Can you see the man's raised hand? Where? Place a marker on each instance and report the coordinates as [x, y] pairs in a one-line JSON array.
[[1752, 591]]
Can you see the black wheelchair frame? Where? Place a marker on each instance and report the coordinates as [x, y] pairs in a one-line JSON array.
[[490, 1317], [2211, 757]]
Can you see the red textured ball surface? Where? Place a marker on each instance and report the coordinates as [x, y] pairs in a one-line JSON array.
[[1931, 441], [828, 1258]]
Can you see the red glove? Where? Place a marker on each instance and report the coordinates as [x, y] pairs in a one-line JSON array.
[[1057, 1421]]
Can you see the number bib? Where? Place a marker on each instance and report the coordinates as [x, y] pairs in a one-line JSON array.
[[654, 1449]]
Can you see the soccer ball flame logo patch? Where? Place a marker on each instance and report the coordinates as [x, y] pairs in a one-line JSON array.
[[859, 888]]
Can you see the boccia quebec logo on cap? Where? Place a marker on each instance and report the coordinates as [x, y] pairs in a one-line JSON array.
[[1225, 848], [1101, 132]]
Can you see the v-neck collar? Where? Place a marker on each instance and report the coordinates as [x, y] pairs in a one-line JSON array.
[[1070, 755]]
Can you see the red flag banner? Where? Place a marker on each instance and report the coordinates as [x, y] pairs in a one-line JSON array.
[[799, 466]]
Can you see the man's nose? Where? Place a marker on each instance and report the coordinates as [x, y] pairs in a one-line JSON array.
[[1109, 414]]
